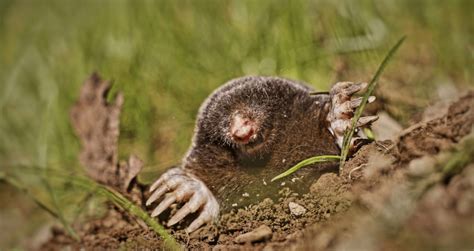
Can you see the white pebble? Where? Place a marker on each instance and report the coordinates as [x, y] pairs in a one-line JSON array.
[[296, 209]]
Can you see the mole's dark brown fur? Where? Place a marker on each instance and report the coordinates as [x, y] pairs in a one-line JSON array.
[[291, 126]]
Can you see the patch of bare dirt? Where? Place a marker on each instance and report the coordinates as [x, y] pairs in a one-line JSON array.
[[115, 230]]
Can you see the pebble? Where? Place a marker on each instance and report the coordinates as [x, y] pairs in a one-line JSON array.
[[296, 209], [422, 167]]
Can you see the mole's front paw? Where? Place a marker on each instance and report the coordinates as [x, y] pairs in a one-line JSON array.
[[178, 186], [343, 106]]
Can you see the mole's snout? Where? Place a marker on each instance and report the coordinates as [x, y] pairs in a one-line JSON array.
[[242, 129]]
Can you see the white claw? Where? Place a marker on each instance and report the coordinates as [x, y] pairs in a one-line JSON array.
[[371, 99], [201, 220], [347, 88], [210, 212], [355, 103], [157, 183], [343, 107], [366, 120], [192, 206], [157, 194], [167, 177], [180, 186], [163, 205]]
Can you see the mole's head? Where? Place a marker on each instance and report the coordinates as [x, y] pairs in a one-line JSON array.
[[249, 130]]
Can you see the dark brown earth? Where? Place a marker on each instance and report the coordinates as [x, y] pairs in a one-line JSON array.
[[415, 192]]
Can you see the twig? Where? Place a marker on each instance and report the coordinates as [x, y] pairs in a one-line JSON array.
[[355, 169]]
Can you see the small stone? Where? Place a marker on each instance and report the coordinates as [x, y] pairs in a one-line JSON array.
[[245, 195], [421, 167], [259, 234], [296, 209], [386, 127], [234, 205]]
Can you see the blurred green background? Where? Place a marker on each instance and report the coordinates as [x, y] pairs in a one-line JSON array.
[[167, 56]]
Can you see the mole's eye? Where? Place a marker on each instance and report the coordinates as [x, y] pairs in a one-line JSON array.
[[242, 128]]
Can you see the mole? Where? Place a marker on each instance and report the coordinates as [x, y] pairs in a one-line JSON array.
[[248, 131]]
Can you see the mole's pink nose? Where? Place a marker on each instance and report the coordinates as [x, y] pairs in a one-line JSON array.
[[242, 129]]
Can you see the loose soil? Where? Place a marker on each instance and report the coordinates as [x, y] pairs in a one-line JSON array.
[[392, 195]]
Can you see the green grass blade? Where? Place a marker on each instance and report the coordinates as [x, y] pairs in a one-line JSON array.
[[60, 215], [16, 184], [350, 133], [312, 160], [135, 210]]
